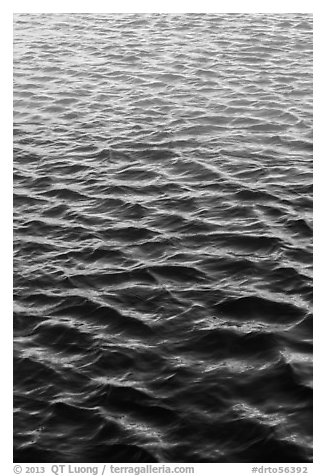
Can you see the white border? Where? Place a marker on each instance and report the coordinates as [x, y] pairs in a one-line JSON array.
[[167, 6], [161, 6]]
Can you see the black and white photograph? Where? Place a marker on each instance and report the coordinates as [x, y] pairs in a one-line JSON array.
[[162, 238]]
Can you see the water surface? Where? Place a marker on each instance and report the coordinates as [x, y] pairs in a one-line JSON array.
[[162, 237]]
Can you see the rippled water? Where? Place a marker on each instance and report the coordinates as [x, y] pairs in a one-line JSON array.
[[163, 237]]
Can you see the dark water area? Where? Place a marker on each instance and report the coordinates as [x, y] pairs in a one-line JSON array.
[[162, 238]]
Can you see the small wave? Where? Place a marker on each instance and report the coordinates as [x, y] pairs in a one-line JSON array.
[[254, 307]]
